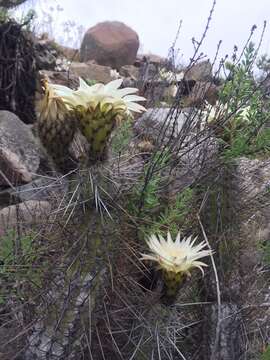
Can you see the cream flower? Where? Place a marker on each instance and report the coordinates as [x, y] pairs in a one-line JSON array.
[[107, 96], [51, 104], [219, 111], [213, 113], [171, 76], [178, 256]]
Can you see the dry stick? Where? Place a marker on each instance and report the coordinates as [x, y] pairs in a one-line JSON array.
[[173, 108], [215, 349], [199, 43], [7, 180]]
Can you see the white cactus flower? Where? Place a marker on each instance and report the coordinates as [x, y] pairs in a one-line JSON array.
[[178, 256], [106, 96]]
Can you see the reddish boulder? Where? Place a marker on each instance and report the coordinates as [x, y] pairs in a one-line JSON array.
[[110, 43]]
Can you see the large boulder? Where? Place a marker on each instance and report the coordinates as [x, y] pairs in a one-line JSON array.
[[110, 43], [19, 151]]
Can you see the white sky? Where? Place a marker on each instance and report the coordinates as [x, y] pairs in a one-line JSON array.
[[156, 21]]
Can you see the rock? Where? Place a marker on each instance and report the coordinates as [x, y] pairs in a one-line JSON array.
[[197, 158], [46, 54], [110, 43], [129, 82], [251, 188], [150, 58], [242, 271], [202, 91], [230, 345], [91, 71], [201, 71], [62, 64], [129, 71], [19, 151], [18, 70], [148, 72], [151, 123], [198, 153], [66, 78], [41, 189], [170, 92], [69, 53], [156, 90], [23, 214]]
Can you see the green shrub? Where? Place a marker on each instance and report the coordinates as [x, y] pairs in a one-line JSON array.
[[266, 354], [244, 133], [122, 136], [17, 256], [265, 251], [173, 215]]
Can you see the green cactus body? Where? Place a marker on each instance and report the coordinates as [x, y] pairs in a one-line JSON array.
[[56, 128], [172, 282], [97, 126]]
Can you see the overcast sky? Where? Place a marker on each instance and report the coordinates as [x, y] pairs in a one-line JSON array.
[[156, 21]]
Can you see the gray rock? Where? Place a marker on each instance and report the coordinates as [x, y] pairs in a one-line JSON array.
[[46, 54], [66, 78], [244, 274], [201, 71], [42, 189], [19, 151], [197, 151], [195, 161], [154, 121], [223, 334], [129, 71], [24, 214], [250, 186]]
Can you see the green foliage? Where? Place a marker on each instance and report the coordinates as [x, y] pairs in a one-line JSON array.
[[7, 249], [4, 15], [146, 195], [17, 257], [266, 354], [153, 214], [122, 136], [28, 20], [244, 133], [172, 216], [265, 251]]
